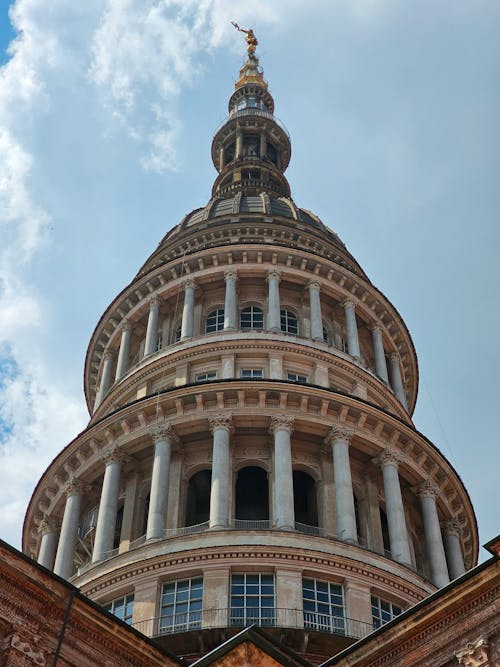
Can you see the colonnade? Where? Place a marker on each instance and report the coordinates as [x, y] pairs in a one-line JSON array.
[[394, 377], [444, 556]]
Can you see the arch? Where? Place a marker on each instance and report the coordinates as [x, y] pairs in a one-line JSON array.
[[385, 530], [118, 527], [198, 498], [252, 494], [305, 500], [289, 322]]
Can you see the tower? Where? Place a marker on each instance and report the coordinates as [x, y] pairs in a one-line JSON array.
[[250, 456]]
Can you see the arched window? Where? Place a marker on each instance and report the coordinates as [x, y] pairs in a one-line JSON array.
[[252, 494], [289, 322], [215, 321], [304, 498], [198, 498], [252, 317]]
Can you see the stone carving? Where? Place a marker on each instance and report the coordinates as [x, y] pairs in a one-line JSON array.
[[274, 274], [19, 644], [452, 527], [222, 420], [427, 489], [164, 431], [114, 455], [73, 486], [337, 433], [349, 303], [231, 274], [389, 456], [474, 653], [47, 525], [281, 422]]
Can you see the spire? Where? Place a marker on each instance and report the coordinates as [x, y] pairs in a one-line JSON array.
[[251, 150]]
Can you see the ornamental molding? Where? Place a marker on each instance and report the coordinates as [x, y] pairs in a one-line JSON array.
[[154, 302], [314, 284], [339, 434], [350, 303], [389, 456], [164, 432], [230, 274], [28, 652], [48, 525], [427, 489], [453, 527], [274, 274], [73, 487], [281, 423], [114, 454], [474, 653]]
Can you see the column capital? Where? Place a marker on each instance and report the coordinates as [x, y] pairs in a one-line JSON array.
[[48, 525], [230, 274], [349, 303], [273, 274], [394, 356], [426, 489], [108, 355], [221, 421], [474, 654], [126, 325], [338, 433], [452, 527], [153, 301], [314, 284], [164, 431], [389, 456], [114, 454], [375, 326], [73, 487], [190, 282], [281, 422]]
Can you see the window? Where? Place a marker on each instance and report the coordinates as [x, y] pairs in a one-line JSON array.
[[326, 337], [159, 342], [206, 377], [294, 377], [177, 335], [252, 599], [180, 605], [215, 321], [252, 318], [323, 606], [122, 608], [383, 611], [289, 322], [252, 374]]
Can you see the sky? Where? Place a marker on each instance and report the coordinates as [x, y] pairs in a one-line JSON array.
[[107, 112]]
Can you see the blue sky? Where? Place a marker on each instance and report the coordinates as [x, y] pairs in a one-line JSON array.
[[107, 110]]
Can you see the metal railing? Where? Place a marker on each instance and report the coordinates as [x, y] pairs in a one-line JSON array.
[[254, 111], [267, 617]]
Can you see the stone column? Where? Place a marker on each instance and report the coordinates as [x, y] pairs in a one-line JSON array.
[[454, 557], [396, 379], [108, 505], [315, 306], [188, 310], [427, 493], [123, 362], [379, 353], [221, 158], [220, 426], [398, 535], [274, 309], [164, 438], [67, 538], [106, 378], [344, 497], [351, 329], [281, 428], [152, 328], [239, 143], [48, 542], [230, 309]]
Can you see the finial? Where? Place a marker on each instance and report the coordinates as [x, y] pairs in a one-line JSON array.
[[250, 38]]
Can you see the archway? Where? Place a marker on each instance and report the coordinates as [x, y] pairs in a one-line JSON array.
[[198, 498], [252, 494], [304, 498]]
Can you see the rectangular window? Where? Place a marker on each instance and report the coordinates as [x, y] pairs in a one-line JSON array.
[[252, 374], [323, 606], [383, 611], [252, 599], [206, 377], [122, 608], [294, 377], [180, 606]]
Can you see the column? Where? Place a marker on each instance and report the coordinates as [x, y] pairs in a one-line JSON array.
[[239, 144], [221, 158], [344, 497], [152, 328], [188, 310], [427, 493], [315, 307], [396, 379], [281, 428], [48, 542], [398, 534], [163, 438], [453, 548], [67, 538], [263, 145], [230, 309], [106, 378], [220, 426], [273, 308], [108, 506], [379, 353], [124, 354], [351, 329]]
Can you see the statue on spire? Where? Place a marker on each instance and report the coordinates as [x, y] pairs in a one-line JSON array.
[[250, 38]]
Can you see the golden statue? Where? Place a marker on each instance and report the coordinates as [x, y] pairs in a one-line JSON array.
[[250, 38]]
